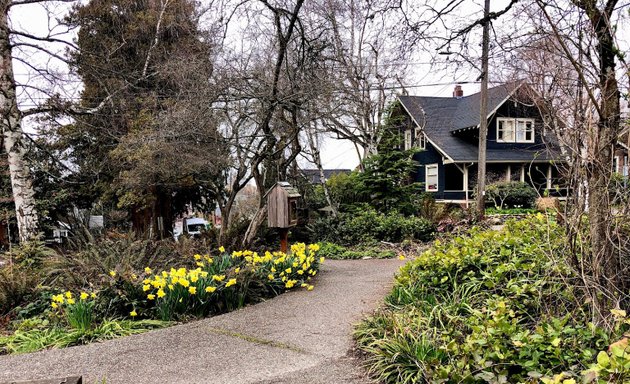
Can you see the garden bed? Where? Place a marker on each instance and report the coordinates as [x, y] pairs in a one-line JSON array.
[[45, 307], [493, 307]]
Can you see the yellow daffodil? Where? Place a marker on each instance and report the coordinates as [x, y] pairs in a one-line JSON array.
[[151, 296], [93, 295], [146, 287], [288, 270], [270, 276], [112, 273], [171, 287], [289, 284], [54, 305], [192, 290], [148, 270], [69, 295], [161, 293], [134, 276], [84, 296], [133, 313], [70, 301], [197, 257], [230, 283], [237, 270], [184, 283], [401, 257], [200, 264], [321, 260], [210, 289], [310, 288], [221, 249], [218, 278]]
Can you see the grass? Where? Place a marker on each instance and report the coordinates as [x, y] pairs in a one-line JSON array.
[[59, 337]]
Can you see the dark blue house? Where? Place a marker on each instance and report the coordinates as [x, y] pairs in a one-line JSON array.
[[519, 147]]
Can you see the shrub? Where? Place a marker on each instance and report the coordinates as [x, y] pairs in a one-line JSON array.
[[493, 306], [368, 226], [17, 285], [511, 194], [338, 252]]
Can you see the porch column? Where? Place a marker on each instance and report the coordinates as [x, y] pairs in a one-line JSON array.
[[508, 173], [522, 178], [466, 183], [549, 177]]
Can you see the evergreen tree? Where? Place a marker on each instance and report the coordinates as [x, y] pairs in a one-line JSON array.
[[152, 146]]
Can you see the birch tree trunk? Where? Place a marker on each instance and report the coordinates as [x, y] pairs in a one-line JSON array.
[[13, 139]]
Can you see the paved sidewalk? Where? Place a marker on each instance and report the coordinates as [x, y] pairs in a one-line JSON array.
[[298, 337]]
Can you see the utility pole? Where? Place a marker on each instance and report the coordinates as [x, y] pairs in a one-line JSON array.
[[483, 116]]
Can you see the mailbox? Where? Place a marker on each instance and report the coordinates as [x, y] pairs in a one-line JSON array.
[[282, 205]]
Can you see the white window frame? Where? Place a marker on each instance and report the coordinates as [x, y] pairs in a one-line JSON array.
[[518, 131], [427, 185], [408, 143], [421, 140]]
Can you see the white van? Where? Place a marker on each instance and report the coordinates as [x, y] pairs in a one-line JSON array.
[[191, 226]]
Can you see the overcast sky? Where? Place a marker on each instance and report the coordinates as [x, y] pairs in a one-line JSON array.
[[424, 80]]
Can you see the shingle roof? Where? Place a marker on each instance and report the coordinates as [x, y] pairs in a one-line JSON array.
[[441, 116]]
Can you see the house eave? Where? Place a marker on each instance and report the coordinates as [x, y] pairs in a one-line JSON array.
[[425, 133]]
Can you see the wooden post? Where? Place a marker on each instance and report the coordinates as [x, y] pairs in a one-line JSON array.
[[284, 239], [483, 118]]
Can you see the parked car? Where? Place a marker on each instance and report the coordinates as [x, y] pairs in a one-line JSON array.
[[192, 226]]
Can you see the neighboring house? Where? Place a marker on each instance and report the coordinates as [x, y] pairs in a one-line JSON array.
[[620, 159], [313, 175], [447, 130]]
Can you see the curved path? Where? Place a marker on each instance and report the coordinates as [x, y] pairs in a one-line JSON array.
[[298, 337]]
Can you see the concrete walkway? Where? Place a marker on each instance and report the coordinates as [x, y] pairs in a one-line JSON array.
[[298, 337]]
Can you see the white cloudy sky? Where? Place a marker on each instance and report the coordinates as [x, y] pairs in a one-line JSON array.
[[35, 19]]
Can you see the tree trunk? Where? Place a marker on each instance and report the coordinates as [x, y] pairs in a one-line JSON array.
[[605, 262], [254, 226], [21, 178]]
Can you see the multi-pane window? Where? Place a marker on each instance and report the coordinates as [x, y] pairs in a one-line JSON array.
[[408, 142], [505, 130], [421, 141], [524, 131], [431, 178], [515, 130]]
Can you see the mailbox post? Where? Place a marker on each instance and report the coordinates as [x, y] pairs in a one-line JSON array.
[[282, 203]]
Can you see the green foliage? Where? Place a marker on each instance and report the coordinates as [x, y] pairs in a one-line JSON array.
[[511, 194], [133, 155], [46, 337], [17, 285], [386, 180], [494, 306], [339, 252], [510, 211], [368, 226]]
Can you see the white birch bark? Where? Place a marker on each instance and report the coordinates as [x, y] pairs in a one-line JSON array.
[[13, 138]]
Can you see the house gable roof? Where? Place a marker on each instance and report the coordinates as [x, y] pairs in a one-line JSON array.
[[442, 117]]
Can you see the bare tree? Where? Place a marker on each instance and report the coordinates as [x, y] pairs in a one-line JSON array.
[[571, 57], [368, 67]]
